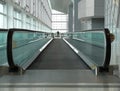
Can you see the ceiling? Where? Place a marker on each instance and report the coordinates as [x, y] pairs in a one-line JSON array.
[[61, 5]]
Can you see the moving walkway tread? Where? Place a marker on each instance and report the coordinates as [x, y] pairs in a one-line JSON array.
[[58, 55]]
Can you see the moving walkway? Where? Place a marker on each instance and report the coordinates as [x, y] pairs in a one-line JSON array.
[[38, 50], [58, 55], [78, 60]]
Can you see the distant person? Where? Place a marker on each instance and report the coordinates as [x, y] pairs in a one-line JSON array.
[[58, 34]]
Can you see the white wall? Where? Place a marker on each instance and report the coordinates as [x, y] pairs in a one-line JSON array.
[[90, 5], [90, 8], [85, 8]]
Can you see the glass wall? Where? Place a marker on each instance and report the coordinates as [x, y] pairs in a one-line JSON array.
[[3, 44], [28, 14], [112, 16], [2, 16], [59, 21], [25, 40], [28, 22], [17, 19], [91, 46]]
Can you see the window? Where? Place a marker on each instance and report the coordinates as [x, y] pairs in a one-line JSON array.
[[59, 25], [17, 19], [28, 22], [34, 24], [1, 21], [2, 16], [24, 15], [59, 21], [60, 18], [1, 8]]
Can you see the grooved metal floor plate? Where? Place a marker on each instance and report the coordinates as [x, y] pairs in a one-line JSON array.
[[59, 78]]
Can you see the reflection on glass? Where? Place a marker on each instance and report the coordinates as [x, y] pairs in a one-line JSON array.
[[26, 44], [1, 8], [3, 54], [1, 21], [91, 44]]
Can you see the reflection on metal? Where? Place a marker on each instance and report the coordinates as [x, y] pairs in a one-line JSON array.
[[4, 70], [112, 70], [79, 39], [112, 37], [16, 70], [81, 55], [115, 69], [75, 50], [41, 49]]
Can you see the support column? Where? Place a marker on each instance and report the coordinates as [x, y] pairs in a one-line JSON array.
[[76, 20], [70, 18], [24, 21], [10, 14]]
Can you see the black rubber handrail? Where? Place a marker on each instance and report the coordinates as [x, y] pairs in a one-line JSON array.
[[108, 50], [25, 30], [9, 50], [101, 29], [12, 66], [3, 30]]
